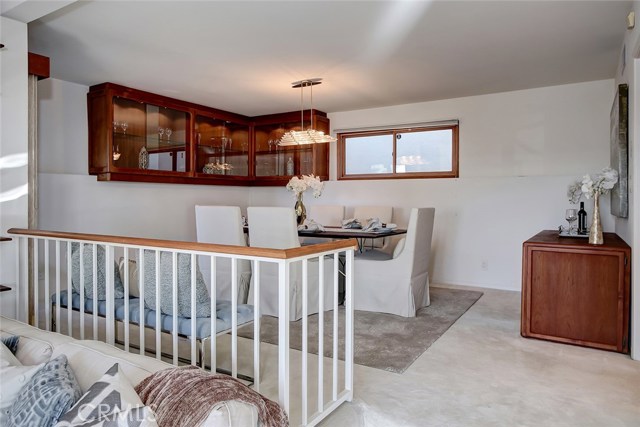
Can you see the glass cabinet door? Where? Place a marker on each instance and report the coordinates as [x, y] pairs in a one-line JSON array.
[[147, 136], [222, 147]]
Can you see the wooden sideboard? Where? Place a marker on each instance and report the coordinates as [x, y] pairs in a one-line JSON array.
[[576, 293]]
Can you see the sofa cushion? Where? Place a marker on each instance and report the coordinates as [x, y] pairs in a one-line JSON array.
[[90, 359], [133, 417], [13, 377], [110, 394], [35, 345], [51, 392]]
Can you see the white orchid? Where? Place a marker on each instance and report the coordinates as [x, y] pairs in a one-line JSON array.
[[589, 187], [300, 185]]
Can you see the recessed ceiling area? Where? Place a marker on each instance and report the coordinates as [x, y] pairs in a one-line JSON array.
[[242, 56]]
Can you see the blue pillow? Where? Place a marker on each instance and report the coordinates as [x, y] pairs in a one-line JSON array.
[[11, 342], [51, 392]]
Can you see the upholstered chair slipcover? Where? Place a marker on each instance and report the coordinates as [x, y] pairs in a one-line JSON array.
[[273, 227], [399, 285], [222, 225]]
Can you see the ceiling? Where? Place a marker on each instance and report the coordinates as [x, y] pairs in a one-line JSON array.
[[241, 56]]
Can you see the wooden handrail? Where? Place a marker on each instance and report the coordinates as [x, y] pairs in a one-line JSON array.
[[192, 246]]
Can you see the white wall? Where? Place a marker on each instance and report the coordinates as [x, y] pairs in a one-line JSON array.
[[518, 152], [13, 141], [629, 228]]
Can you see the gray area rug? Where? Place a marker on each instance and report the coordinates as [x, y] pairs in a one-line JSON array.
[[382, 341]]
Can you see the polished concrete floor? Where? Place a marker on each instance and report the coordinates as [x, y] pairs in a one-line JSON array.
[[481, 372]]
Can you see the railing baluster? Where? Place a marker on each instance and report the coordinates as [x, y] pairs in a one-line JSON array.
[[348, 333], [127, 296], [69, 292], [110, 296], [94, 272], [193, 309], [82, 307], [305, 349], [36, 283], [141, 281], [234, 317], [158, 314], [335, 326], [283, 334], [174, 304], [214, 316], [256, 325], [320, 333], [47, 294], [58, 288]]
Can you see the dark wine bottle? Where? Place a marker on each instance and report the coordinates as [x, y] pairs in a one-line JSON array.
[[582, 220]]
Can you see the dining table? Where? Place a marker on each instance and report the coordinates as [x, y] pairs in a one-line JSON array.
[[337, 232]]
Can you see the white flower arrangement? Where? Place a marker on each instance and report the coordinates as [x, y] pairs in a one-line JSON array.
[[588, 187], [300, 185]]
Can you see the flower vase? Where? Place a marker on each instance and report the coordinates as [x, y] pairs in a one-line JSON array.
[[595, 232], [301, 211]]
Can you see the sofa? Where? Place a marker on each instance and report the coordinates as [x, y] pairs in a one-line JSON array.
[[91, 359]]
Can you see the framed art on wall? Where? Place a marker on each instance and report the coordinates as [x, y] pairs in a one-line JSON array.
[[620, 151]]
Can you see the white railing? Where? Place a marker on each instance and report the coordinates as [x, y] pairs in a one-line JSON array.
[[44, 288]]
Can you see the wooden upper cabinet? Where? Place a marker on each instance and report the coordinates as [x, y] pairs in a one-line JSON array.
[[274, 164], [140, 136]]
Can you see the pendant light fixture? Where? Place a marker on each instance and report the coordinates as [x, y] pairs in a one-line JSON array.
[[310, 135]]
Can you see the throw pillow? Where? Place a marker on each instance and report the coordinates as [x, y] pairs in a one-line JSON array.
[[87, 261], [13, 377], [11, 342], [31, 351], [49, 394], [134, 282], [110, 394], [203, 303]]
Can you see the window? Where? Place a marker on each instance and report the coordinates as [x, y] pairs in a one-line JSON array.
[[417, 152]]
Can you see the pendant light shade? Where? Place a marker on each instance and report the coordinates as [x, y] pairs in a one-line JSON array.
[[310, 135]]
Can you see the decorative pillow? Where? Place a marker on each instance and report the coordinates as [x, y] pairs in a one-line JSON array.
[[49, 394], [134, 282], [13, 377], [109, 395], [87, 261], [203, 302], [11, 342], [31, 351]]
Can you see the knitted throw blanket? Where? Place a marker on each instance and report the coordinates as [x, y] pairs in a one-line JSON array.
[[184, 397]]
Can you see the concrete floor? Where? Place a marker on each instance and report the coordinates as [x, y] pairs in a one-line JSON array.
[[481, 372]]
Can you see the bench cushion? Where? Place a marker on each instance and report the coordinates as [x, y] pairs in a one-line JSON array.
[[203, 324]]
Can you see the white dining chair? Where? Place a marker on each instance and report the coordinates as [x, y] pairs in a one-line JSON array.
[[222, 225], [399, 285], [326, 215], [276, 228], [384, 214]]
